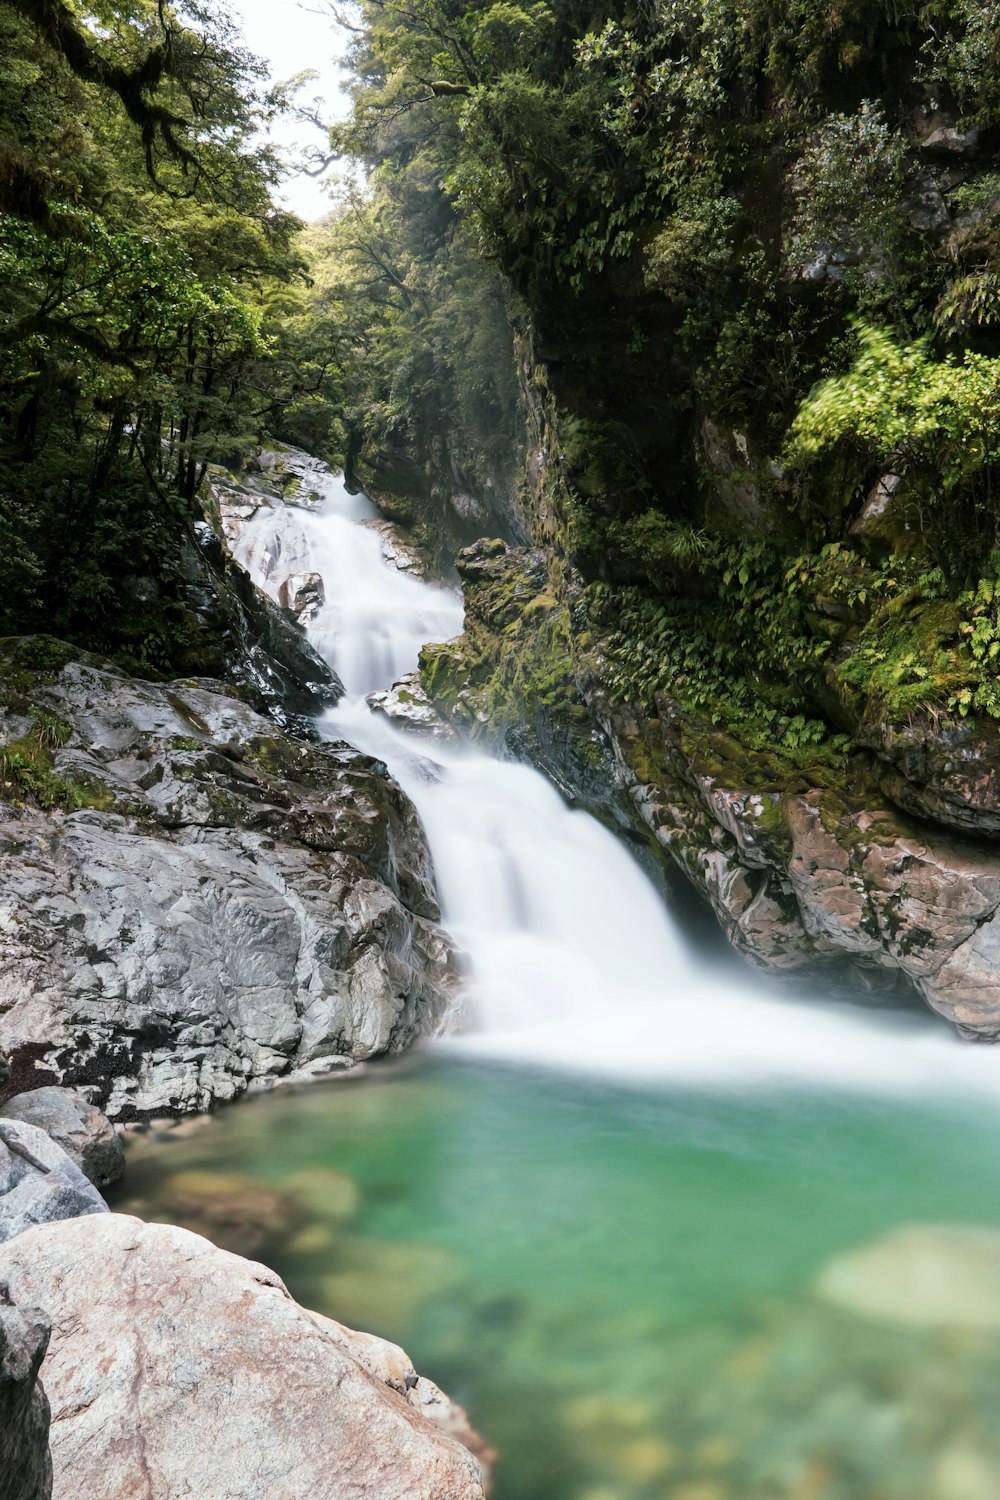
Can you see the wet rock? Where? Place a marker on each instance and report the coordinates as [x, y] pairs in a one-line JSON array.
[[400, 554], [25, 1464], [303, 595], [407, 705], [38, 1181], [87, 1136], [243, 905], [921, 1276], [176, 1368], [246, 639]]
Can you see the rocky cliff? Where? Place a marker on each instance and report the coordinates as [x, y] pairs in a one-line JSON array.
[[837, 870], [192, 900]]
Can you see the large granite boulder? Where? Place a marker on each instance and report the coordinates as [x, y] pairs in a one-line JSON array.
[[178, 1369], [87, 1136], [228, 905], [38, 1182], [25, 1464]]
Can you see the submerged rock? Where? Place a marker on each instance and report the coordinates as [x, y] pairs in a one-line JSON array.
[[921, 1276], [86, 1135], [236, 1213], [38, 1181], [238, 905], [176, 1368], [25, 1464]]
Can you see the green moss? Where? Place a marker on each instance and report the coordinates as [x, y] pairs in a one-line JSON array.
[[28, 775]]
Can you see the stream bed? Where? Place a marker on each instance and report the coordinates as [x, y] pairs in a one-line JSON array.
[[639, 1292]]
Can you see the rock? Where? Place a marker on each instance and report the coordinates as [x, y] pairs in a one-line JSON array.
[[240, 906], [236, 1213], [25, 1463], [407, 705], [402, 555], [38, 1181], [948, 140], [303, 595], [176, 1368], [86, 1136], [947, 771], [244, 638], [921, 1276]]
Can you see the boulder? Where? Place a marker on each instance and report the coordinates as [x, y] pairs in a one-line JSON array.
[[234, 905], [303, 595], [25, 1464], [921, 1276], [87, 1136], [38, 1182], [178, 1369], [407, 705]]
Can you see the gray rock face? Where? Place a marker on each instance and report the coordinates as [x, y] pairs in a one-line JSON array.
[[77, 1126], [25, 1463], [240, 904], [807, 877], [38, 1182], [178, 1369]]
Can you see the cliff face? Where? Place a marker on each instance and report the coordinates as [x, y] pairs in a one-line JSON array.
[[877, 867], [192, 900]]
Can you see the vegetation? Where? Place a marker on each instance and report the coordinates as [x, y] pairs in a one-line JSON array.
[[751, 253], [140, 250], [756, 247]]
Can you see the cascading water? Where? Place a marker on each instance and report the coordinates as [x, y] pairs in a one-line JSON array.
[[572, 959]]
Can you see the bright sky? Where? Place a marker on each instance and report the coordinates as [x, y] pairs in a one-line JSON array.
[[292, 37]]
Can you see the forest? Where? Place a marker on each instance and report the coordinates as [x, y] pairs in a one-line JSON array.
[[748, 251]]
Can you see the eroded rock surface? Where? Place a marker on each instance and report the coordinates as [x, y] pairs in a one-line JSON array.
[[86, 1135], [233, 905], [178, 1369], [39, 1184], [25, 1464], [846, 875]]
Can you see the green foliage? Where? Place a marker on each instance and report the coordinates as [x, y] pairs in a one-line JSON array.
[[847, 188], [139, 250], [27, 771], [740, 655], [933, 422]]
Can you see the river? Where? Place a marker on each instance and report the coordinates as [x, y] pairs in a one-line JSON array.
[[664, 1233]]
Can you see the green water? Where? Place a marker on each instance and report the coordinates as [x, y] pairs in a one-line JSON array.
[[619, 1284]]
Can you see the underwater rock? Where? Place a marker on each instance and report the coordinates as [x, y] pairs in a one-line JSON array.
[[921, 1276], [176, 1368]]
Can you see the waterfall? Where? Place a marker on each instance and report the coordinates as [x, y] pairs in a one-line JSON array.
[[571, 957]]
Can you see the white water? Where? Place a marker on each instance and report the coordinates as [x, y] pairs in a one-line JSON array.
[[572, 958]]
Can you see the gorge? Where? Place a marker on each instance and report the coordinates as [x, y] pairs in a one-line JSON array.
[[498, 755]]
